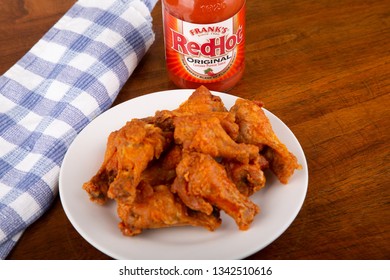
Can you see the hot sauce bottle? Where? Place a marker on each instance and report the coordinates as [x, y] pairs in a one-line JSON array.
[[204, 42]]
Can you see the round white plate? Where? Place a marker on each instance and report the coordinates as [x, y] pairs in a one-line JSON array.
[[279, 203]]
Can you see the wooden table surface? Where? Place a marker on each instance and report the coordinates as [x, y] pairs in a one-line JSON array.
[[323, 67]]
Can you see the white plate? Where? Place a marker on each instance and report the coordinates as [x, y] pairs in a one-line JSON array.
[[279, 203]]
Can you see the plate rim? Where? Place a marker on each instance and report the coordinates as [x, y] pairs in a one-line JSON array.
[[185, 93]]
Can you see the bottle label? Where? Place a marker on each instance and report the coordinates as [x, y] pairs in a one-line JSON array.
[[205, 53]]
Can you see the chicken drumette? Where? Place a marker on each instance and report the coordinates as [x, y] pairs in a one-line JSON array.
[[128, 153], [205, 134], [255, 128], [157, 207], [202, 184]]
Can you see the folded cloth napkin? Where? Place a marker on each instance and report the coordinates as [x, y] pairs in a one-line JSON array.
[[67, 79]]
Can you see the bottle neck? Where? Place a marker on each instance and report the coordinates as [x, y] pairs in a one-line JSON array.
[[203, 11]]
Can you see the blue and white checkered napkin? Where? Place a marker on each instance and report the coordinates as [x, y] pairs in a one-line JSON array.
[[68, 78]]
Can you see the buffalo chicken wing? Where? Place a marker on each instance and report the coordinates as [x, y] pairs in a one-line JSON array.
[[256, 129], [202, 183]]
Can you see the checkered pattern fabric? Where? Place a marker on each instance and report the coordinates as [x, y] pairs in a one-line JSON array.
[[68, 78]]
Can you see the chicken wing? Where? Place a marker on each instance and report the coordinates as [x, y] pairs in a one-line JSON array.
[[202, 101], [157, 207], [255, 128], [205, 134], [202, 183], [98, 186], [249, 178], [163, 170], [129, 151]]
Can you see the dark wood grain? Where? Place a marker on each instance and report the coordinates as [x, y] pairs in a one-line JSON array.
[[323, 67]]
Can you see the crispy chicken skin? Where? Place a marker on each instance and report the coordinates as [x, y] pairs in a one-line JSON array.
[[157, 207], [202, 183], [256, 129], [129, 151]]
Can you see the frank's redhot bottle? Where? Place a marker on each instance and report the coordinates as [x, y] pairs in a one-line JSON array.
[[204, 42]]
